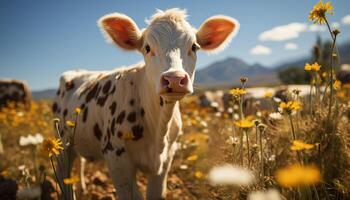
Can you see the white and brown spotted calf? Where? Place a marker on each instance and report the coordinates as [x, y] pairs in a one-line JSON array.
[[14, 91], [130, 116]]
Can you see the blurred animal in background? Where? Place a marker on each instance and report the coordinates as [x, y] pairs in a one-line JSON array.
[[131, 116], [14, 91], [344, 74]]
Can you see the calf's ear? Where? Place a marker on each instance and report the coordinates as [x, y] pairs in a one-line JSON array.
[[216, 32], [121, 30]]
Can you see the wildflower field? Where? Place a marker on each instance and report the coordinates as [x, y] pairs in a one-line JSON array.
[[295, 148]]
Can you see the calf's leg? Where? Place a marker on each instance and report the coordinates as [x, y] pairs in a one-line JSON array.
[[123, 175]]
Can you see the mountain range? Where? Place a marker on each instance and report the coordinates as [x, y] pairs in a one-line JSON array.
[[229, 70]]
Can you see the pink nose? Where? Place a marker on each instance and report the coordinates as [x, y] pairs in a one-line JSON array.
[[175, 82]]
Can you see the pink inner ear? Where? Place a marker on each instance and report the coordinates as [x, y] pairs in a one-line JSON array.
[[214, 33], [122, 32]]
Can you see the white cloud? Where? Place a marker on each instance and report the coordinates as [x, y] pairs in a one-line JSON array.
[[317, 28], [346, 20], [260, 50], [335, 25], [284, 32], [290, 46]]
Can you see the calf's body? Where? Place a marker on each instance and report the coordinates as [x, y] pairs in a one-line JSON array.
[[130, 116]]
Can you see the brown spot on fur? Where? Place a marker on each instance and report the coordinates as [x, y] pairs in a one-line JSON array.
[[137, 131], [113, 108], [132, 102], [106, 87], [161, 101], [58, 92], [69, 85], [91, 94], [131, 117], [85, 114], [120, 134], [102, 100], [65, 112], [131, 83], [113, 126], [113, 90], [54, 107], [62, 94], [121, 117], [142, 112], [108, 147], [120, 151], [97, 132]]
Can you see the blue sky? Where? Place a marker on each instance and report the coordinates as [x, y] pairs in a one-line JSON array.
[[40, 39]]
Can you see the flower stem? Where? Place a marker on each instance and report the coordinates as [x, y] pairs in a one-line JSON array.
[[261, 154], [54, 170], [248, 149], [334, 37]]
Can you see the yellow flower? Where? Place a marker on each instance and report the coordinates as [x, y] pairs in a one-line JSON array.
[[238, 91], [70, 123], [4, 174], [318, 13], [290, 106], [337, 85], [52, 146], [314, 67], [128, 136], [297, 175], [244, 123], [300, 145], [268, 94], [192, 158], [77, 110], [198, 174], [71, 180]]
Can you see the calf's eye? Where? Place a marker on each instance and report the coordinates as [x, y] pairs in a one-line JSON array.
[[147, 48], [194, 47]]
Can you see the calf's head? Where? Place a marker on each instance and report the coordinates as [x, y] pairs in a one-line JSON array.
[[169, 45]]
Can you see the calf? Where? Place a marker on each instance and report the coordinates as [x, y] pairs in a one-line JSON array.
[[14, 91], [130, 116]]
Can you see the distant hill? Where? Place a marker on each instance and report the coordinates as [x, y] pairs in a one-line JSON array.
[[44, 94], [230, 70], [344, 51]]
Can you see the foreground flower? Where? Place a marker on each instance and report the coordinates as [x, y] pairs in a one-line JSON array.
[[238, 92], [31, 140], [270, 194], [230, 175], [300, 145], [337, 85], [52, 146], [313, 67], [77, 111], [297, 175], [244, 123], [70, 123], [275, 116], [199, 174], [268, 94], [72, 180], [290, 106], [318, 13], [192, 158]]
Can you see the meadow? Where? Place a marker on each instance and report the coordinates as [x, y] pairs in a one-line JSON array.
[[293, 148]]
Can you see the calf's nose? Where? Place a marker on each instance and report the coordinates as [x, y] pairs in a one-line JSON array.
[[175, 82]]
